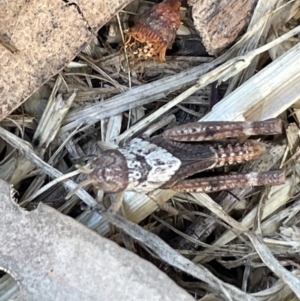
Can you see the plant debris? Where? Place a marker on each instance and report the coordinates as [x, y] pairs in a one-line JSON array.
[[154, 31], [239, 243]]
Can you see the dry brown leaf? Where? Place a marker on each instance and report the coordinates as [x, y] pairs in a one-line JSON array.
[[47, 35]]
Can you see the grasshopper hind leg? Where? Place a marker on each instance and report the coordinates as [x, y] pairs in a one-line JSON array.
[[230, 181]]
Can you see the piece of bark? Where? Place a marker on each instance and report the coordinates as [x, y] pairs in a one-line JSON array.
[[53, 256], [220, 22], [47, 35]]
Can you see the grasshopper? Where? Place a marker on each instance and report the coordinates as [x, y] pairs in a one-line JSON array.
[[167, 161]]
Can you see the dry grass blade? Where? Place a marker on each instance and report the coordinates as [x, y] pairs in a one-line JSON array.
[[28, 152], [170, 256], [263, 251], [281, 73], [132, 98], [279, 197], [271, 294], [263, 12]]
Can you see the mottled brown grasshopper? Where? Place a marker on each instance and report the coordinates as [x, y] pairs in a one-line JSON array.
[[167, 161]]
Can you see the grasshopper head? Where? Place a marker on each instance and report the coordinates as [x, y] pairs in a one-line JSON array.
[[108, 172]]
